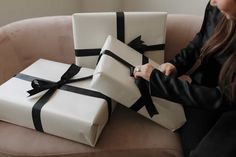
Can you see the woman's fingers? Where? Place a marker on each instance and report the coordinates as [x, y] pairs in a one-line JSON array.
[[143, 71], [167, 69]]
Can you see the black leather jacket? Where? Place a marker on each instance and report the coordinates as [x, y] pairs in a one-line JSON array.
[[203, 91]]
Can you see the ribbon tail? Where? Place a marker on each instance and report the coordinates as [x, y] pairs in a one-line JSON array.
[[36, 110], [80, 79], [72, 71], [34, 91], [144, 90], [151, 109]]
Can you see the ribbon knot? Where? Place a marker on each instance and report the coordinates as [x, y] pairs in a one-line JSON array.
[[138, 44], [61, 83], [41, 85]]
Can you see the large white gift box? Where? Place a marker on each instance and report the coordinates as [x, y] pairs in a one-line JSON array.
[[112, 78], [91, 29], [73, 111]]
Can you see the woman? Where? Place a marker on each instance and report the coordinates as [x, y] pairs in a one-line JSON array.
[[211, 59]]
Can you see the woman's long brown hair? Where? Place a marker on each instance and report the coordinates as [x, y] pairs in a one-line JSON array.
[[223, 41]]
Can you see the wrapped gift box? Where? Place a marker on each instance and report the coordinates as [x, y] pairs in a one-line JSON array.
[[91, 29], [74, 111], [112, 78]]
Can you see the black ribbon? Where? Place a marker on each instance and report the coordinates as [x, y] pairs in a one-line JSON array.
[[136, 43], [120, 21], [145, 99], [87, 52], [139, 45], [41, 85], [143, 85]]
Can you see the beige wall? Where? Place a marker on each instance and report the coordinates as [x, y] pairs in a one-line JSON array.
[[171, 6], [13, 10], [101, 5]]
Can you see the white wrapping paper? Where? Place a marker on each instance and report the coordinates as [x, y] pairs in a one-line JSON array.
[[91, 29], [113, 79], [67, 114]]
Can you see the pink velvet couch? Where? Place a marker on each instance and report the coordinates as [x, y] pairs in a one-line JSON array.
[[126, 135]]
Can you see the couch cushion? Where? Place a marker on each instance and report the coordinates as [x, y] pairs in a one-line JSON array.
[[127, 134]]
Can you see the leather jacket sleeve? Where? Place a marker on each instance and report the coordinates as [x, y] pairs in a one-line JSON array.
[[184, 60], [176, 90]]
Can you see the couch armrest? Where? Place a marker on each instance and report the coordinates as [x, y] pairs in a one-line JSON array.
[[23, 42], [180, 30]]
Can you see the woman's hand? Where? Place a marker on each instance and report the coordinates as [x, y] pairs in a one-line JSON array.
[[167, 69], [143, 71]]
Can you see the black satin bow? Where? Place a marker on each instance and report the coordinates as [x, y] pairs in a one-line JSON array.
[[138, 44], [41, 85]]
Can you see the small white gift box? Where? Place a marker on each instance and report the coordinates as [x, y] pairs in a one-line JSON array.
[[112, 78], [91, 29], [73, 111]]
